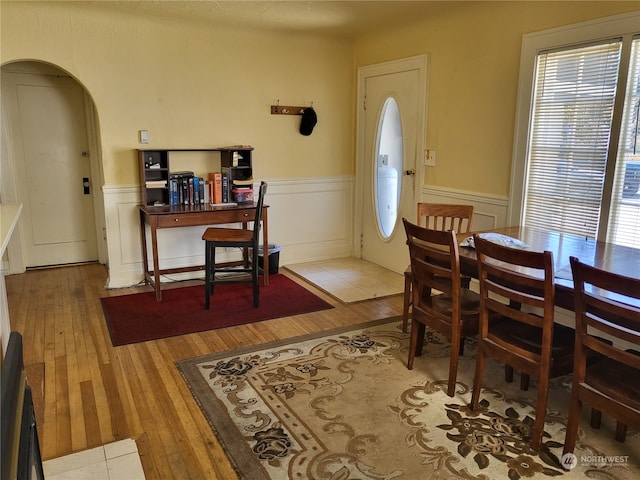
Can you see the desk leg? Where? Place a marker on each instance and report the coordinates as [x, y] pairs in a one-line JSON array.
[[143, 238], [265, 246], [156, 262], [245, 250]]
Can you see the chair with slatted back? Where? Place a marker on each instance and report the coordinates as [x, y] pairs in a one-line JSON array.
[[439, 300], [517, 328], [604, 306], [436, 216], [245, 238]]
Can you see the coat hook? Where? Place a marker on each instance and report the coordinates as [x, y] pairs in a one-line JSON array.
[[287, 109]]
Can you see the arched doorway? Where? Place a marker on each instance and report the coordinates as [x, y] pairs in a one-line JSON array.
[[51, 164]]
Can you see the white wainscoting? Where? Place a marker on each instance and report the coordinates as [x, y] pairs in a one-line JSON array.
[[309, 218], [489, 211]]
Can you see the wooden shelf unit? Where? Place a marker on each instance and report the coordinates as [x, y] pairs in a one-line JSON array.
[[155, 170]]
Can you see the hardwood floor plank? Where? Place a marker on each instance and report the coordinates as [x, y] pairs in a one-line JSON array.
[[68, 320], [35, 379], [158, 410], [145, 449], [152, 454], [178, 413], [63, 416], [49, 445], [118, 421], [90, 414], [88, 387], [126, 387]]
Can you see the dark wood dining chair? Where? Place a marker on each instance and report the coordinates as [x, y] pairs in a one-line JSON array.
[[436, 216], [517, 328], [244, 238], [611, 386], [439, 300]]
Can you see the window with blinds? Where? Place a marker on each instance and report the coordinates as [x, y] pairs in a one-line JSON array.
[[572, 115], [624, 222]]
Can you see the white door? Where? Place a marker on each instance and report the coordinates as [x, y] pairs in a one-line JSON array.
[[391, 133], [45, 116]]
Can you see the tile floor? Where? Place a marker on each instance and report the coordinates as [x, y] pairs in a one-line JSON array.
[[114, 461], [350, 279]]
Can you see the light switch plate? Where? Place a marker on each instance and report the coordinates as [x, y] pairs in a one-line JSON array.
[[144, 136], [430, 158]]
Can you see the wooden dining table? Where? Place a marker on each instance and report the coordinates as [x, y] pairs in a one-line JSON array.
[[606, 256]]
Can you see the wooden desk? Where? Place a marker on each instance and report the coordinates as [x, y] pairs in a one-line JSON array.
[[190, 216], [607, 256]]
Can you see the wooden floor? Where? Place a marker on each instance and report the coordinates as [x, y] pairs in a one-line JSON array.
[[88, 393]]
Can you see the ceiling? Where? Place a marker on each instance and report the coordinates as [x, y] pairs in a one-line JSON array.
[[341, 18]]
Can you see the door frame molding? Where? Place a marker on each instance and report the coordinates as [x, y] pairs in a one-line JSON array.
[[15, 249], [417, 62]]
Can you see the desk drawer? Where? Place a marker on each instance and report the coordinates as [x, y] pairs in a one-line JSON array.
[[205, 218]]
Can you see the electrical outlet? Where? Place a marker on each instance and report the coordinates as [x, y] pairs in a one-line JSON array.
[[430, 158]]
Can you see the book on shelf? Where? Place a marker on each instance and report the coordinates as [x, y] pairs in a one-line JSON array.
[[216, 179], [185, 190], [174, 196], [243, 181], [195, 198], [205, 191], [225, 187], [181, 174], [156, 183], [201, 188]]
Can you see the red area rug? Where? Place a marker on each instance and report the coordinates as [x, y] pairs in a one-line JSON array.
[[138, 317]]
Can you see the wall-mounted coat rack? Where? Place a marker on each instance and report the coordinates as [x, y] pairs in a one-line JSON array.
[[287, 110]]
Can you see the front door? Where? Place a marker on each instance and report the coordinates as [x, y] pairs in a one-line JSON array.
[[392, 145], [46, 124]]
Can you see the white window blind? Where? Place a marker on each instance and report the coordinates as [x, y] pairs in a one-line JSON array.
[[624, 223], [572, 113]]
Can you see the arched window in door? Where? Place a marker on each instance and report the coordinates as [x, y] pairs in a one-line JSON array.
[[388, 169]]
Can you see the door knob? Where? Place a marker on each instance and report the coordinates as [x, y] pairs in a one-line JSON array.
[[410, 172]]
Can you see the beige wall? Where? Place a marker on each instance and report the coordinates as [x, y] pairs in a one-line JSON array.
[[192, 85], [196, 85], [474, 52]]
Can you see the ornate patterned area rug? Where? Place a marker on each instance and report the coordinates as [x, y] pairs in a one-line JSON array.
[[342, 405]]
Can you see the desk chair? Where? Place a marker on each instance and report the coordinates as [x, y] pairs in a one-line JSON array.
[[436, 216], [517, 327], [234, 237], [610, 386], [435, 265]]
